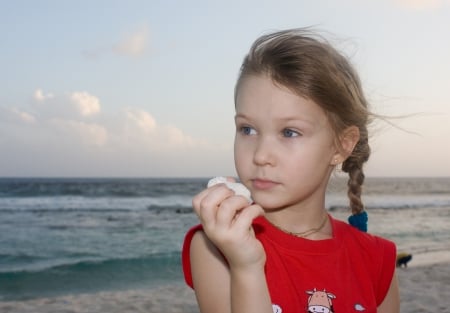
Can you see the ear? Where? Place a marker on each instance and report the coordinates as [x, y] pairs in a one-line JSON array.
[[347, 141]]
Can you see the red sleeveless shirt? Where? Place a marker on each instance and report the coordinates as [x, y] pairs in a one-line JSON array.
[[350, 272]]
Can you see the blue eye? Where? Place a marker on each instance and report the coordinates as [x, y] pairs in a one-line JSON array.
[[247, 130], [290, 133]]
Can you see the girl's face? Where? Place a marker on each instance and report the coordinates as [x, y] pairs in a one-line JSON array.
[[284, 145]]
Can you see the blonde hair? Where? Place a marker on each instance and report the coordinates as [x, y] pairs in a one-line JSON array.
[[308, 65]]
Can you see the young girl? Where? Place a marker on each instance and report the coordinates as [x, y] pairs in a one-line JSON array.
[[300, 112]]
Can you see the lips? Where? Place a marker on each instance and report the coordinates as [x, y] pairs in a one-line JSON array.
[[263, 184]]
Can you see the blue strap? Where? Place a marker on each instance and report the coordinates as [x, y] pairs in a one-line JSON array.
[[359, 221]]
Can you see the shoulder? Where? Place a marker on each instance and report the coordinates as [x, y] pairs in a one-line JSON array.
[[369, 242], [375, 250], [371, 253], [203, 267], [200, 255]]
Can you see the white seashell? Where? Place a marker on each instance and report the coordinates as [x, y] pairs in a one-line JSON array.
[[217, 180], [238, 188]]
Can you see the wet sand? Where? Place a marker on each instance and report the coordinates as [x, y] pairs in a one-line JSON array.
[[423, 288]]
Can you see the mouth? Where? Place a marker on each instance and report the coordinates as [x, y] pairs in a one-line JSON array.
[[263, 184]]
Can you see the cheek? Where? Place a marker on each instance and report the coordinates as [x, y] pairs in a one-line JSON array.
[[239, 152], [242, 156], [308, 159]]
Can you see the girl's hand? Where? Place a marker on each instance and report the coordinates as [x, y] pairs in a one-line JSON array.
[[227, 220]]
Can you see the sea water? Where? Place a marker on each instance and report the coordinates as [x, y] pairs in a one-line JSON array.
[[72, 235]]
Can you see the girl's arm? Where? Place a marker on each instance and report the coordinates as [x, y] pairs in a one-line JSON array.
[[210, 275], [221, 289], [391, 303], [227, 260]]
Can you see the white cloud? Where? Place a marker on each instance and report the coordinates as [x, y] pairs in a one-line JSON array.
[[24, 116], [69, 106], [79, 132], [177, 138], [138, 129], [133, 44], [86, 104], [40, 96], [59, 139], [422, 4], [143, 120], [16, 115]]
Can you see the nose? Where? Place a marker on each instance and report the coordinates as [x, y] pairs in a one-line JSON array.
[[264, 153]]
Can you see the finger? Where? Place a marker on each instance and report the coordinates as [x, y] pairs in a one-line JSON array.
[[198, 199], [210, 203], [229, 209], [247, 215]]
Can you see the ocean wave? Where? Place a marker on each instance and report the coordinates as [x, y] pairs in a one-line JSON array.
[[157, 209], [90, 275], [396, 206], [63, 210], [391, 201], [82, 204], [21, 258], [97, 187]]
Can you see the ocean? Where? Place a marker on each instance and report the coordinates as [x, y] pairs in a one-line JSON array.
[[62, 236]]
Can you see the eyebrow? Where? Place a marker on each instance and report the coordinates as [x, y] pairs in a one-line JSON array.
[[282, 119], [240, 115]]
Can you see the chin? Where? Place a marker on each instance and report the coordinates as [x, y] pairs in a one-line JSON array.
[[268, 203]]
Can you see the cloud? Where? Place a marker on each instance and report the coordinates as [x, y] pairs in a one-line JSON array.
[[421, 4], [70, 134], [16, 115], [79, 132], [72, 105], [142, 120], [133, 44], [86, 104], [138, 128], [40, 96], [177, 138]]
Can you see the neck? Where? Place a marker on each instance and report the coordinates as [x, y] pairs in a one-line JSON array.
[[299, 222]]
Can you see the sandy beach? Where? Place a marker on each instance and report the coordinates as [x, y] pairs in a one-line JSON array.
[[167, 299], [423, 288]]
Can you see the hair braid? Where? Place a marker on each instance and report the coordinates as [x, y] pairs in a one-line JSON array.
[[354, 167]]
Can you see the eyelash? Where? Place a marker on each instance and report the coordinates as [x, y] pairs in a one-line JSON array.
[[287, 132], [246, 130], [292, 133]]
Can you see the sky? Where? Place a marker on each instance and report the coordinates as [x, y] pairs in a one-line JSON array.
[[145, 88]]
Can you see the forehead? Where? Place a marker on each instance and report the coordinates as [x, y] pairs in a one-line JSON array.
[[259, 95]]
